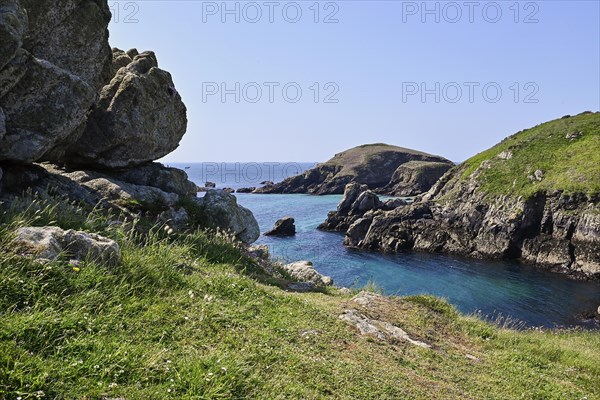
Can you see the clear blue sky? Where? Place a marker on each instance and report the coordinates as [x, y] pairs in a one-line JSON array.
[[379, 54]]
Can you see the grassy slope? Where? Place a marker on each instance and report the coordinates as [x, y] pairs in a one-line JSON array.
[[571, 166], [217, 329]]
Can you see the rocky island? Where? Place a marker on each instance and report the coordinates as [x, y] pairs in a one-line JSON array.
[[535, 197], [387, 169]]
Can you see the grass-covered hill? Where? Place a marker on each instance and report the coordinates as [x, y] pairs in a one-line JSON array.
[[566, 151], [192, 316]]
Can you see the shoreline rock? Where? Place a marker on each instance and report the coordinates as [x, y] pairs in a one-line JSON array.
[[358, 203], [220, 210]]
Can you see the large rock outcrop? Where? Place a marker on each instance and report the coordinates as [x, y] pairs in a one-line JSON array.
[[43, 110], [493, 206], [84, 122], [140, 117], [220, 210], [152, 188], [373, 165], [54, 56], [73, 35], [55, 61]]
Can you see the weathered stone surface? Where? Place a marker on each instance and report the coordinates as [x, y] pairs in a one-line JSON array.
[[2, 124], [43, 110], [170, 180], [553, 231], [12, 72], [357, 317], [415, 177], [175, 218], [220, 210], [13, 25], [283, 227], [140, 117], [304, 271], [50, 243], [260, 251], [73, 35], [351, 193], [358, 202], [586, 242], [217, 210], [372, 165], [89, 187], [120, 59]]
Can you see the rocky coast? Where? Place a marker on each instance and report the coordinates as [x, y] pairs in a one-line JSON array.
[[534, 197]]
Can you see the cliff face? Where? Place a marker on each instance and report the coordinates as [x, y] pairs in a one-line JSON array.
[[379, 166], [97, 118], [535, 197]]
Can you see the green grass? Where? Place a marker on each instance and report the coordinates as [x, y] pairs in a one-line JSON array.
[[191, 317], [568, 165]]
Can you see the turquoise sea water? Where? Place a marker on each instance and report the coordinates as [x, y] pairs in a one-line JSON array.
[[492, 288]]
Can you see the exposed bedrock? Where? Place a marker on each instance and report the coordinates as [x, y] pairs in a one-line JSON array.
[[538, 231], [358, 202]]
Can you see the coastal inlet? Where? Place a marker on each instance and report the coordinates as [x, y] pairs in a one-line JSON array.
[[495, 289]]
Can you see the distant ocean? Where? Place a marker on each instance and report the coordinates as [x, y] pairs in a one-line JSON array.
[[238, 175], [491, 288]]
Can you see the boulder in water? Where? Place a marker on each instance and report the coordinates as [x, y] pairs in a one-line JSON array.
[[283, 227]]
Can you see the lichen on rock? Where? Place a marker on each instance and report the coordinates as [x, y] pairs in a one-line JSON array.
[[139, 118]]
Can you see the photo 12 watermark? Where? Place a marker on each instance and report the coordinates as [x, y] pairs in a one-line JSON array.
[[270, 92], [469, 92], [453, 12], [250, 173], [126, 12], [252, 12]]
